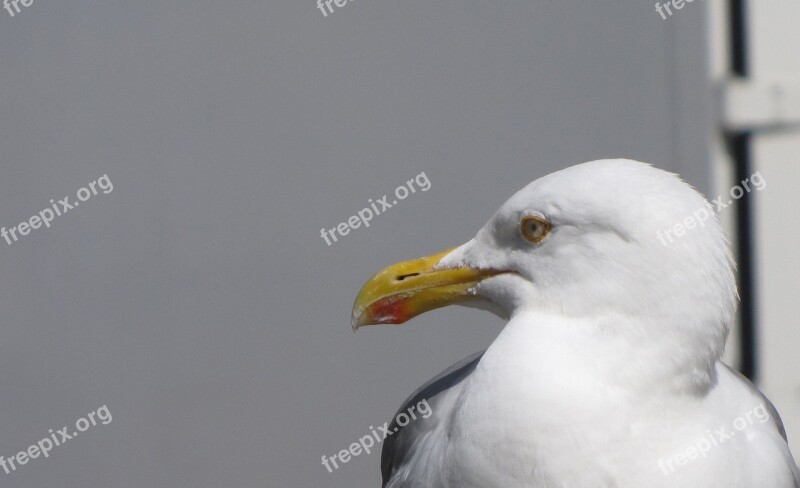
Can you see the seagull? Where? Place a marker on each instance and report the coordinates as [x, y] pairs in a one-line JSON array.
[[608, 371]]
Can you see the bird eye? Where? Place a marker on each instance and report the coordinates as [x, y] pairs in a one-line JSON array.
[[534, 228]]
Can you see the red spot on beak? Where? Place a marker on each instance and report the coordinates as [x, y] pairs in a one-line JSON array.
[[390, 310]]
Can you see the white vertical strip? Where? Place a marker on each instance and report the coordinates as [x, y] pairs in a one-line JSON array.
[[775, 54]]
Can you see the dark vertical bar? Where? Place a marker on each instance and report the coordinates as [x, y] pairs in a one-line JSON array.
[[739, 145], [738, 31]]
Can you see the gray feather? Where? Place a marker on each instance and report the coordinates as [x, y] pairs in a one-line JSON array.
[[397, 448]]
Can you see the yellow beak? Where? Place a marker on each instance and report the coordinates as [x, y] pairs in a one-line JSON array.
[[404, 290]]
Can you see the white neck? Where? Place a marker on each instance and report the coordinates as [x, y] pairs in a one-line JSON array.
[[556, 357]]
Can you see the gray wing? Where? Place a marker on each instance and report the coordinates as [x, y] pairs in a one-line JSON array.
[[397, 448]]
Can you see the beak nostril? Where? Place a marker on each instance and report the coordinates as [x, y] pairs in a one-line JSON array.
[[409, 275]]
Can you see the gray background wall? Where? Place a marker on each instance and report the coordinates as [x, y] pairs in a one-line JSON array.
[[197, 300]]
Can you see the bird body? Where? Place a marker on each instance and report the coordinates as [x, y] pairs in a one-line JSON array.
[[608, 372], [515, 422]]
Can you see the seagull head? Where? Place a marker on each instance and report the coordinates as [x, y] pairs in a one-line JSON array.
[[614, 242]]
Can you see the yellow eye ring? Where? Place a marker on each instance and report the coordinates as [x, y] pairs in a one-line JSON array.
[[534, 228]]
